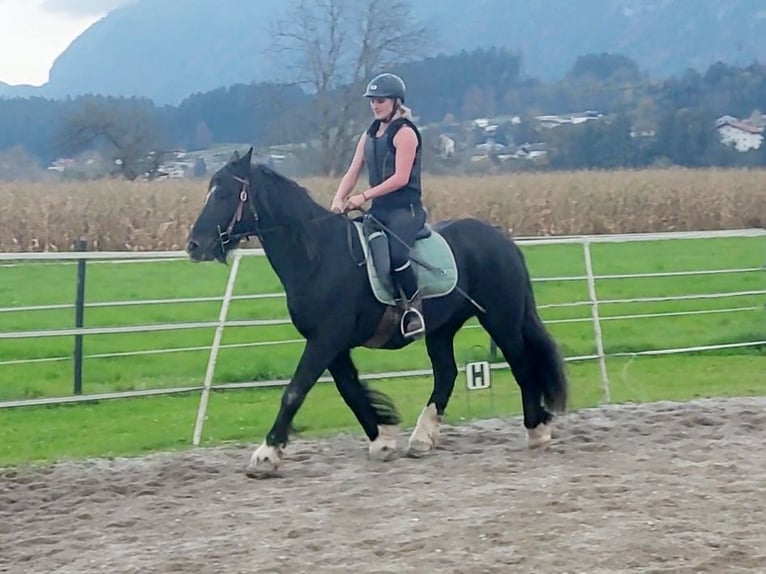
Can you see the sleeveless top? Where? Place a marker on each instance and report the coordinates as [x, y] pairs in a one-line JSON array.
[[380, 158]]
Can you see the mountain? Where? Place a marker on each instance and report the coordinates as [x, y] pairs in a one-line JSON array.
[[22, 90], [665, 37], [167, 49]]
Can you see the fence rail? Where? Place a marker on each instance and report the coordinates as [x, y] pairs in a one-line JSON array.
[[596, 305], [110, 256]]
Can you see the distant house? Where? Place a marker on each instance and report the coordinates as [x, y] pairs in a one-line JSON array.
[[742, 136], [62, 164], [446, 146], [531, 151], [553, 121]]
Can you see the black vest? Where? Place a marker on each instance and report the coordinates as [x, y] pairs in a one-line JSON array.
[[380, 158]]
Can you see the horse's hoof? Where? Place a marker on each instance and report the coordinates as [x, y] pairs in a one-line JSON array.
[[419, 448], [539, 436], [426, 434], [383, 454], [264, 463], [384, 447]]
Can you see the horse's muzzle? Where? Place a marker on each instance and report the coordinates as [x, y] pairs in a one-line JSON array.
[[196, 252]]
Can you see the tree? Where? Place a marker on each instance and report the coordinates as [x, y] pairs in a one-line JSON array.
[[124, 128], [200, 167], [203, 137], [333, 47], [686, 136], [606, 67], [756, 118], [473, 103], [17, 163]]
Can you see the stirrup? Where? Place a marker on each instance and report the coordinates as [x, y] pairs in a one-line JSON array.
[[404, 321]]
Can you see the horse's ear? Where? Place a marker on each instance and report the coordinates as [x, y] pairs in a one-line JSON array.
[[234, 157], [248, 156]]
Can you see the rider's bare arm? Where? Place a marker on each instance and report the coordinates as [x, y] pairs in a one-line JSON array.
[[351, 176]]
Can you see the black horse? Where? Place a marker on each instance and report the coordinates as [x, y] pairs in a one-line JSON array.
[[318, 257]]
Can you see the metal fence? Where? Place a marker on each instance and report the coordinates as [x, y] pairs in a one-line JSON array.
[[227, 297]]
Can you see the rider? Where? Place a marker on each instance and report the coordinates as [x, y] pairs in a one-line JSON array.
[[391, 149]]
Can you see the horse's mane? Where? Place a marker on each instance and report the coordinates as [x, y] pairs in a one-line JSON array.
[[291, 204], [283, 195]]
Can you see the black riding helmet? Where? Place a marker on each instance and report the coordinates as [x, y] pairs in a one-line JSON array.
[[386, 86]]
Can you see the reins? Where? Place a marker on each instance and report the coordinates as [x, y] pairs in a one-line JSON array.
[[226, 235]]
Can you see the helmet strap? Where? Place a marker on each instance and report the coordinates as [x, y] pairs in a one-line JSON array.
[[393, 111]]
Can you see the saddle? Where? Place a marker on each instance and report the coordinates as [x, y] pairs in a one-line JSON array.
[[432, 259]]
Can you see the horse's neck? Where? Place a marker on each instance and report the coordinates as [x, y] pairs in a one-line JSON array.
[[288, 260], [292, 236]]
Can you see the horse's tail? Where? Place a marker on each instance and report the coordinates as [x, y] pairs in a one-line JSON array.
[[546, 359]]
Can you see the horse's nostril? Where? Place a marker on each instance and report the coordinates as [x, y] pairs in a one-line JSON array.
[[191, 247]]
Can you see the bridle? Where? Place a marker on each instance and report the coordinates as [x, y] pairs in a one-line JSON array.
[[226, 236]]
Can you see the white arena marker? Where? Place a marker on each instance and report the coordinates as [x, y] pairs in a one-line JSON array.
[[477, 375]]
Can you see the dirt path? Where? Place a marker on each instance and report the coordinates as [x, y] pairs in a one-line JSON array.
[[653, 488]]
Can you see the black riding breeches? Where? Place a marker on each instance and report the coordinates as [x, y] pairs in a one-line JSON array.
[[403, 223]]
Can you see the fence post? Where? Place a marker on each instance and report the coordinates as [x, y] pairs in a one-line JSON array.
[[492, 350], [201, 412], [596, 321], [79, 314]]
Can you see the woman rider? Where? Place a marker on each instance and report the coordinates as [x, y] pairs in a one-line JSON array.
[[391, 149]]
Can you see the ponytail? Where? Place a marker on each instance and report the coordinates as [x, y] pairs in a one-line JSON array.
[[406, 112]]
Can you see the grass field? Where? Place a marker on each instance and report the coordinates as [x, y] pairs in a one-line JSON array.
[[138, 425]]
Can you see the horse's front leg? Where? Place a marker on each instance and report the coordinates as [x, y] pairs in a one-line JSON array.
[[440, 347], [314, 360]]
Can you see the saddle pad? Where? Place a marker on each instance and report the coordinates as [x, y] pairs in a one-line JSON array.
[[435, 251]]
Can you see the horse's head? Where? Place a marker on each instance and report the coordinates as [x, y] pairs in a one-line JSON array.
[[227, 215]]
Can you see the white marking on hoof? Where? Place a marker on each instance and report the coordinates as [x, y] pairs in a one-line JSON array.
[[384, 446], [539, 436], [426, 434], [264, 462]]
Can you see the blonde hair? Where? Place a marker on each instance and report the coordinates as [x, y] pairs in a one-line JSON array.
[[404, 111]]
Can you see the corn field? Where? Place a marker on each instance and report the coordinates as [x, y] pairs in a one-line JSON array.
[[120, 215]]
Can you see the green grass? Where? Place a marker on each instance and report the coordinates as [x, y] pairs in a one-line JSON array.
[[130, 427], [139, 425]]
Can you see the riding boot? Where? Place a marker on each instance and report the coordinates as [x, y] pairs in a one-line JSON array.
[[413, 324]]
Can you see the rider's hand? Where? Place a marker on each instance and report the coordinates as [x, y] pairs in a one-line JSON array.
[[355, 202], [337, 205]]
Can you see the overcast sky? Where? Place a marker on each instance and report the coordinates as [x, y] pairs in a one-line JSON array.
[[34, 32]]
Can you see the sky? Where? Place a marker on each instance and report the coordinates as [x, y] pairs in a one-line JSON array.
[[34, 32]]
